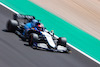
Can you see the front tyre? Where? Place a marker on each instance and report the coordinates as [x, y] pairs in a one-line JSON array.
[[62, 41]]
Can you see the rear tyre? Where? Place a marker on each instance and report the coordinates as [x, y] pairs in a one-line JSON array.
[[12, 25], [62, 41], [33, 38]]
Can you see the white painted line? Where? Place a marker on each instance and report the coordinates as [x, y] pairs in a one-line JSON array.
[[9, 8], [84, 53], [57, 36]]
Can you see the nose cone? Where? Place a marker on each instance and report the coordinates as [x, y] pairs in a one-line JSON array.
[[49, 39]]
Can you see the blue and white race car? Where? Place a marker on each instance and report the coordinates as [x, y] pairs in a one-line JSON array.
[[35, 33]]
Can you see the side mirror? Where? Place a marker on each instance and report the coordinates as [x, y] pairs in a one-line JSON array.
[[38, 20], [44, 27], [52, 32]]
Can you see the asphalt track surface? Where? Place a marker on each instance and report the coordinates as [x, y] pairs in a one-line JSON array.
[[14, 53]]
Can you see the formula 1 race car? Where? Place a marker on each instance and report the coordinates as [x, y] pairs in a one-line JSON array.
[[37, 39]]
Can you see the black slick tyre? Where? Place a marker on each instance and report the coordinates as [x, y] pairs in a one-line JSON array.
[[12, 25], [33, 38], [62, 41]]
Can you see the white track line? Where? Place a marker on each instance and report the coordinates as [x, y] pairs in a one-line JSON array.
[[9, 8], [57, 36], [84, 54]]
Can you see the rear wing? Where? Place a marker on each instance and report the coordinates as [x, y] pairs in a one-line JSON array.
[[20, 16]]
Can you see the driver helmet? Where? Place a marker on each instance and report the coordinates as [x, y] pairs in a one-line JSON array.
[[40, 27], [34, 22]]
